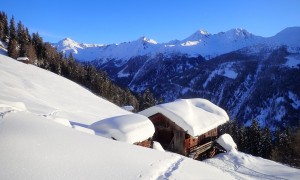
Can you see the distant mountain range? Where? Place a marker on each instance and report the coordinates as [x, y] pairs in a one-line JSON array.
[[199, 43], [250, 76]]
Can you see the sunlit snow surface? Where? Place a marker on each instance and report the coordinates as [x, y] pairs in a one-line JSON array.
[[38, 142]]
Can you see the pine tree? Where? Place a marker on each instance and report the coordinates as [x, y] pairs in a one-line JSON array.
[[21, 33], [4, 29], [31, 54], [71, 58], [266, 140], [1, 25], [296, 148], [146, 100], [23, 39], [255, 138], [12, 49], [283, 151], [37, 42], [12, 29]]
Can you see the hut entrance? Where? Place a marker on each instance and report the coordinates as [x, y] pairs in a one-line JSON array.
[[165, 137]]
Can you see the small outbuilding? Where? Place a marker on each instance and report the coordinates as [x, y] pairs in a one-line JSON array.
[[132, 128], [23, 60], [187, 126]]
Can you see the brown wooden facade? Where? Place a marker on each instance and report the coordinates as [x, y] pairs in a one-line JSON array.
[[173, 138], [147, 143]]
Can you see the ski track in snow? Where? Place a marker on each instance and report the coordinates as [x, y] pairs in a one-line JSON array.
[[173, 167]]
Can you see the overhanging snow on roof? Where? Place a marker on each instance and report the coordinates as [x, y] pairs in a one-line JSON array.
[[130, 128], [196, 116]]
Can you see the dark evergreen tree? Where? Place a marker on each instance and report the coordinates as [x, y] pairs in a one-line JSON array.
[[1, 25], [12, 49], [283, 151], [12, 30], [266, 143], [146, 100], [254, 146], [4, 29], [31, 54], [23, 39], [37, 42]]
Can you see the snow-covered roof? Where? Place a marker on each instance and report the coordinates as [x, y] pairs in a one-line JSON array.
[[196, 116], [129, 128], [22, 58]]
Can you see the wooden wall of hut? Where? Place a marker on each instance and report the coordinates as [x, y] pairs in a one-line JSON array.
[[173, 138], [168, 134]]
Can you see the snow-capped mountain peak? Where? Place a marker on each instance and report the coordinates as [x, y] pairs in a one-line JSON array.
[[238, 33], [68, 44], [145, 39], [197, 36]]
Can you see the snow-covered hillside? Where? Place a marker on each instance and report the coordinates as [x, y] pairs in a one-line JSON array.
[[199, 43], [36, 141]]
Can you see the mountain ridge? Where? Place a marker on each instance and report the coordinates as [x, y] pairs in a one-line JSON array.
[[199, 43]]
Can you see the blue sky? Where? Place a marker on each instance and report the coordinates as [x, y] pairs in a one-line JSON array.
[[115, 21]]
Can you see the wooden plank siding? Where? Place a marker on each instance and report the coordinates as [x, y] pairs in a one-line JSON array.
[[147, 143], [173, 138]]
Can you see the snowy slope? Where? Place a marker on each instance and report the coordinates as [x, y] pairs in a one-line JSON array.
[[199, 43], [38, 91], [34, 146]]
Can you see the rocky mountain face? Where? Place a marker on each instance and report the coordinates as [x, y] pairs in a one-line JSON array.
[[247, 75]]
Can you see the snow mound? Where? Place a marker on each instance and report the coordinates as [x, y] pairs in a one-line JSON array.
[[129, 128], [227, 142], [196, 116], [157, 146]]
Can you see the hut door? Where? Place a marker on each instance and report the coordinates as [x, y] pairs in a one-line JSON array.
[[165, 137]]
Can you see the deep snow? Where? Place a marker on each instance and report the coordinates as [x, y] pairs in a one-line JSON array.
[[38, 110]]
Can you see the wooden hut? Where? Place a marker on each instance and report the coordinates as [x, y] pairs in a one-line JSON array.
[[23, 60], [132, 128], [187, 126]]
